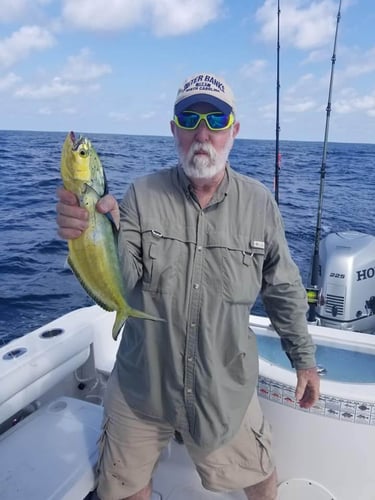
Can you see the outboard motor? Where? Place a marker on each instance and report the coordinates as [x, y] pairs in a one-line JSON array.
[[347, 281]]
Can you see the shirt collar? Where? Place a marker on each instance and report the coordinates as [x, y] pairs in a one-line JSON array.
[[221, 192]]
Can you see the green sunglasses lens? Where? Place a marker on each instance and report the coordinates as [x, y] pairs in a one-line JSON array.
[[214, 120], [188, 120], [218, 121]]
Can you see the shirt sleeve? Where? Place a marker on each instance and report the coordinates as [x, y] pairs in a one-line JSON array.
[[130, 240], [284, 295]]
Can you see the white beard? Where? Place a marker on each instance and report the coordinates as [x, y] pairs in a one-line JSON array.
[[204, 166]]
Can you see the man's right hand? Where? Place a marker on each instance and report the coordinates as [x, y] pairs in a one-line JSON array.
[[72, 219]]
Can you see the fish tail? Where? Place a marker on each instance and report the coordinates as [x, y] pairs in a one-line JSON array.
[[130, 313]]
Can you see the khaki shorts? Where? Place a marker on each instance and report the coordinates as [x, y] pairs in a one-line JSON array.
[[130, 446]]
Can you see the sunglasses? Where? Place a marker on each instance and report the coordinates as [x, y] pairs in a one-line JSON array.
[[189, 120]]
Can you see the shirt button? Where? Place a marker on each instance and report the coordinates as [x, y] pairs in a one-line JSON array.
[[199, 248], [189, 391], [193, 324], [190, 359], [196, 286]]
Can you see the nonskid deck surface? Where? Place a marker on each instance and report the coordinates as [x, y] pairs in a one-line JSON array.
[[65, 432], [175, 478]]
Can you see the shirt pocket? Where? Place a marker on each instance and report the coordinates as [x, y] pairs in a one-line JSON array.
[[242, 273], [161, 256]]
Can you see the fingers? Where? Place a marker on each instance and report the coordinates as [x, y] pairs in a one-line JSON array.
[[307, 390], [66, 197], [307, 397], [108, 204], [71, 219]]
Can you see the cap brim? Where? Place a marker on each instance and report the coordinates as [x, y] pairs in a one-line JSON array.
[[184, 104]]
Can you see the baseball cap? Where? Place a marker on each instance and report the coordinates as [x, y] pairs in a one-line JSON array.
[[208, 88]]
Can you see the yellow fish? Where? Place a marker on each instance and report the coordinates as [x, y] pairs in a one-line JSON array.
[[93, 256]]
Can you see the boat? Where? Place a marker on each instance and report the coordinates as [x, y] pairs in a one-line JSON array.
[[52, 382]]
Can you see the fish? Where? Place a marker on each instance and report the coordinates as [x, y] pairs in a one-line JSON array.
[[93, 256]]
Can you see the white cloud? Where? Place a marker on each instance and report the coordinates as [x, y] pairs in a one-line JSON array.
[[305, 81], [352, 103], [11, 10], [81, 68], [114, 14], [119, 116], [45, 111], [8, 81], [16, 10], [364, 64], [22, 42], [304, 27], [317, 56], [299, 106], [165, 17], [78, 75], [148, 116], [176, 17], [69, 111], [254, 69], [56, 88], [268, 111]]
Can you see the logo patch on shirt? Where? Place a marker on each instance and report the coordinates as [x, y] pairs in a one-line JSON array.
[[257, 244]]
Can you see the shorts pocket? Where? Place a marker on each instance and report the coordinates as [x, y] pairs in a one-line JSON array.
[[262, 437], [244, 461], [101, 443]]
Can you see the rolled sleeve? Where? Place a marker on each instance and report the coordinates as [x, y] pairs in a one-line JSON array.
[[284, 296]]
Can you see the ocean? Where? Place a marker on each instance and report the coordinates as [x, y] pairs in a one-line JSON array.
[[36, 285]]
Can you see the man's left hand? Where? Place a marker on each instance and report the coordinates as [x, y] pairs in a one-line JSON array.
[[307, 390]]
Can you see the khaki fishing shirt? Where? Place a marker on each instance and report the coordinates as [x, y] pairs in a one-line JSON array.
[[201, 271]]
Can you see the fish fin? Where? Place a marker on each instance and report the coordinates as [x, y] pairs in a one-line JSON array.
[[92, 189], [118, 324], [108, 215], [105, 187], [131, 313], [134, 313], [94, 297]]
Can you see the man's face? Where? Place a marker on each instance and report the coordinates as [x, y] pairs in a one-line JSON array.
[[203, 153]]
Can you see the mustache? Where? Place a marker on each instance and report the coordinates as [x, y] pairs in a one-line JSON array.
[[199, 147]]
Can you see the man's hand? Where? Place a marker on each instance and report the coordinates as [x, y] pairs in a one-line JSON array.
[[307, 390], [72, 219]]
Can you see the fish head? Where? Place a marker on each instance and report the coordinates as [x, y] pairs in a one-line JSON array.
[[80, 165]]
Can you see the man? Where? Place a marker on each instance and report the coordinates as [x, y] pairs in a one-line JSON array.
[[197, 244]]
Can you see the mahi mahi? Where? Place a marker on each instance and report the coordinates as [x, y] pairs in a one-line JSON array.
[[93, 256]]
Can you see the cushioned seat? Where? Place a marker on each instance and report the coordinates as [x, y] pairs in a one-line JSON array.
[[52, 453]]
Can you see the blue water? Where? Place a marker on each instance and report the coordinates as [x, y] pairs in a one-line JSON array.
[[340, 365], [36, 287]]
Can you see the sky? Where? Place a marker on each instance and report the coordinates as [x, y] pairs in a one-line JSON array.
[[114, 66]]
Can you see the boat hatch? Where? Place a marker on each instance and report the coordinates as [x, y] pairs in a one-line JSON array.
[[52, 453]]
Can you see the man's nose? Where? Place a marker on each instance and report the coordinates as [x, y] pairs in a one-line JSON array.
[[202, 132]]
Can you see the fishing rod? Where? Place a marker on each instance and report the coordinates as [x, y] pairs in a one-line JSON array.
[[277, 152], [312, 291]]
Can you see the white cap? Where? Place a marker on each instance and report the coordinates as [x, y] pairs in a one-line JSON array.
[[208, 88]]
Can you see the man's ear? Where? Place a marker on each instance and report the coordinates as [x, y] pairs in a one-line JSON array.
[[173, 127], [236, 129]]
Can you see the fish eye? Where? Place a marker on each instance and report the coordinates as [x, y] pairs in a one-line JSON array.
[[83, 153]]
